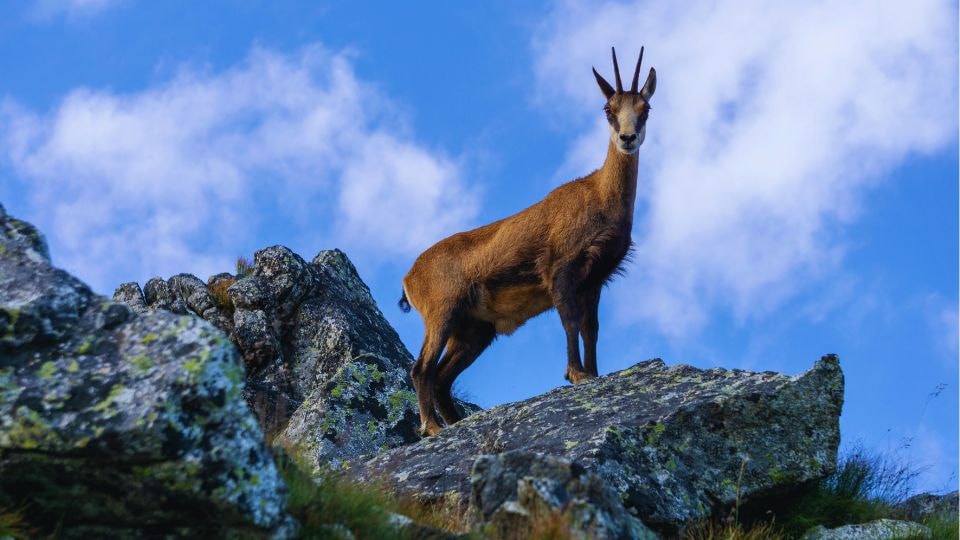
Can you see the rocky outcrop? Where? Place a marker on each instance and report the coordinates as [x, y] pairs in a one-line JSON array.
[[516, 492], [326, 374], [924, 505], [119, 425], [881, 529], [677, 443]]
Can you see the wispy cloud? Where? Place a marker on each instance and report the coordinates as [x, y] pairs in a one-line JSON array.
[[173, 178], [44, 10], [769, 122]]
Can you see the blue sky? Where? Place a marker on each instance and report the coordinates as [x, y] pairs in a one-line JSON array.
[[798, 185]]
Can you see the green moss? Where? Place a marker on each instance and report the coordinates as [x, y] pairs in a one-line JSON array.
[[149, 338], [672, 464], [376, 374], [338, 390], [372, 427], [73, 367], [47, 370]]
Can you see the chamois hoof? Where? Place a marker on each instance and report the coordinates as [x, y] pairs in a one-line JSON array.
[[578, 377], [429, 430]]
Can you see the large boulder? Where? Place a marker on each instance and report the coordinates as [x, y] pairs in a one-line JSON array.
[[881, 529], [678, 443], [119, 425], [925, 505], [515, 493], [327, 376]]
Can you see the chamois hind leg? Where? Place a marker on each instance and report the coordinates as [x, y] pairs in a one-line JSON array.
[[463, 347], [424, 374], [589, 327], [563, 287]]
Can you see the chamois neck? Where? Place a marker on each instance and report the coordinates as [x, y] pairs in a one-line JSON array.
[[618, 177]]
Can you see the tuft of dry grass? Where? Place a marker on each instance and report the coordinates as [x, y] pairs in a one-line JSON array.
[[244, 267], [14, 526], [447, 514], [709, 530], [218, 290]]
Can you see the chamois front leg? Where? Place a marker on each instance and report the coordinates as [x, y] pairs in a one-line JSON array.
[[589, 327], [563, 293]]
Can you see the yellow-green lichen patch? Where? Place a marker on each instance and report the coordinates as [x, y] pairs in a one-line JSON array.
[[30, 430], [9, 389], [13, 315], [85, 347], [567, 445], [141, 362], [655, 434], [194, 366], [47, 370], [777, 475], [73, 367], [111, 397], [398, 401], [149, 338]]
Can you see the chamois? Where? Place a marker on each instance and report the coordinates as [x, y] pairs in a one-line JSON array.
[[477, 284]]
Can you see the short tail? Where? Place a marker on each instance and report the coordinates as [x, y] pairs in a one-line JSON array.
[[404, 303]]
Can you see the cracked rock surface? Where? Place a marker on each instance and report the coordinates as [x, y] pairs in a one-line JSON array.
[[121, 425], [670, 441], [327, 376]]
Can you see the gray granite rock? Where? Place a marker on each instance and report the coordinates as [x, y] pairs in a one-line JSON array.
[[670, 440], [881, 529], [115, 422], [514, 492], [326, 374], [925, 505]]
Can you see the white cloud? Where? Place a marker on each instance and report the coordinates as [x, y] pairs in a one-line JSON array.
[[176, 177], [769, 121]]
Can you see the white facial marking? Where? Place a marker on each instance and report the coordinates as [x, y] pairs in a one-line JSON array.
[[627, 117]]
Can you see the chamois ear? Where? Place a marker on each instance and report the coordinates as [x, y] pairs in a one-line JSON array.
[[650, 86], [605, 87]]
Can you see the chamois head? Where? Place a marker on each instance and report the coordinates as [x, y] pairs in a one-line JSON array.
[[627, 111]]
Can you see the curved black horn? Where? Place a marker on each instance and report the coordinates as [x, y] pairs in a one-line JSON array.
[[616, 71], [636, 73]]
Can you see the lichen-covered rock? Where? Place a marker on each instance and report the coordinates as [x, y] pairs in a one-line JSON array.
[[131, 295], [114, 422], [924, 505], [515, 491], [881, 529], [326, 374], [671, 440]]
